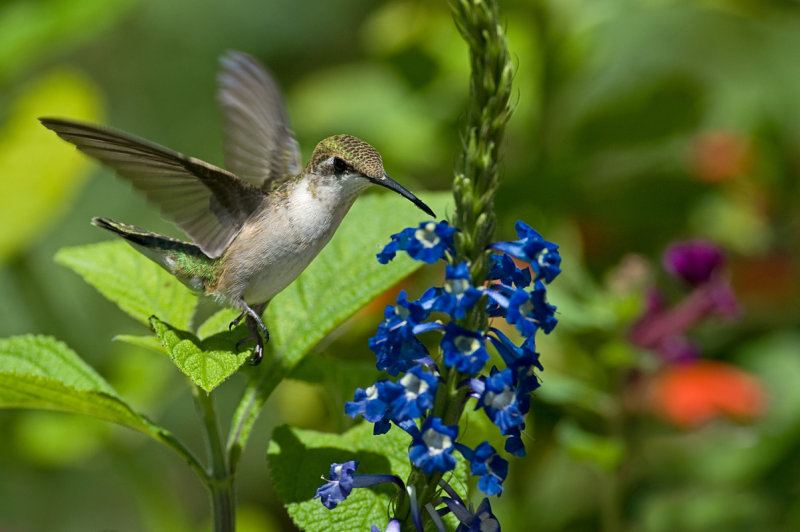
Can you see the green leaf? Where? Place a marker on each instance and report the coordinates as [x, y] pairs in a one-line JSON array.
[[342, 279], [139, 286], [151, 342], [298, 458], [208, 362], [41, 372]]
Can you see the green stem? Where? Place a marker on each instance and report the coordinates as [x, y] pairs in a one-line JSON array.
[[261, 382], [219, 477]]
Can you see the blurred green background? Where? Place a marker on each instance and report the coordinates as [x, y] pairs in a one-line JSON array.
[[637, 122]]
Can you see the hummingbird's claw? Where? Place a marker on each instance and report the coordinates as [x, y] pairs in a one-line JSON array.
[[258, 353], [236, 321], [258, 331]]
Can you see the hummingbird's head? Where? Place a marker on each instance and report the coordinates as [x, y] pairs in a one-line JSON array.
[[345, 156]]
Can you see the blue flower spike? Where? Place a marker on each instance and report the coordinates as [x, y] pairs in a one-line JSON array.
[[514, 292]]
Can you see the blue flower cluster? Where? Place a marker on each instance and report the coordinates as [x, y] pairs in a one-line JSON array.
[[513, 293]]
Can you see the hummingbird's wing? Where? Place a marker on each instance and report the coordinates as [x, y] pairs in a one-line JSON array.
[[208, 203], [259, 146]]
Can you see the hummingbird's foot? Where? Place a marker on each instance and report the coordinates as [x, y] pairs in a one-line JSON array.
[[258, 331]]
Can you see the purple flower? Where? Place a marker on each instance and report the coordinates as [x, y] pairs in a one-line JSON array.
[[429, 242], [432, 446], [393, 526], [694, 261], [342, 480], [542, 255], [339, 485], [463, 349], [481, 520]]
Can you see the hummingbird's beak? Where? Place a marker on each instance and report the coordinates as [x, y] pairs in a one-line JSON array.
[[391, 184]]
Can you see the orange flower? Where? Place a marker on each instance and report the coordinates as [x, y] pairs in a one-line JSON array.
[[689, 395], [719, 156]]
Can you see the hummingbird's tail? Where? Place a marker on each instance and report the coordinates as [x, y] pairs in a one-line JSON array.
[[182, 259]]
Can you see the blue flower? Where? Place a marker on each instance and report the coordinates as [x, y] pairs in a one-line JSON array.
[[504, 270], [429, 242], [463, 349], [514, 445], [432, 447], [417, 388], [395, 344], [482, 520], [339, 485], [502, 402], [458, 294], [373, 404], [487, 464], [393, 526], [521, 360], [542, 255], [531, 311]]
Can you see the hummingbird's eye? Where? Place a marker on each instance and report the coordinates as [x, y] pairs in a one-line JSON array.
[[339, 165]]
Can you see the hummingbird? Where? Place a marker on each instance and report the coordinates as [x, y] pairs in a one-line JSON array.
[[255, 226]]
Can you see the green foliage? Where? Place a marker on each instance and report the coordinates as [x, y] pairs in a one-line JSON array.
[[297, 458], [137, 285], [41, 372], [207, 363]]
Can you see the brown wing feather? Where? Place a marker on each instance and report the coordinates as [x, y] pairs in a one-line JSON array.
[[208, 203], [259, 146]]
